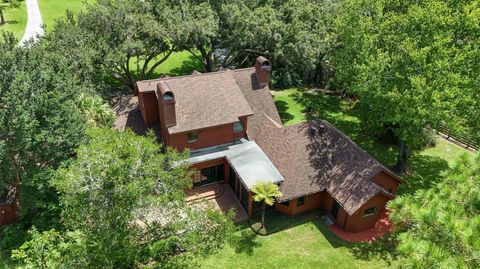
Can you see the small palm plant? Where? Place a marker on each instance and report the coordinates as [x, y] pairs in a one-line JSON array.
[[97, 112], [265, 193]]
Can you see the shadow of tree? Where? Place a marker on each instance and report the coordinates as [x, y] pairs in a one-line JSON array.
[[383, 248], [426, 172], [282, 108], [10, 22], [245, 242], [187, 66]]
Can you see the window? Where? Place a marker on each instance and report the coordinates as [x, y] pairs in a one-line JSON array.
[[237, 127], [301, 201], [369, 212], [192, 137], [286, 203], [208, 175]]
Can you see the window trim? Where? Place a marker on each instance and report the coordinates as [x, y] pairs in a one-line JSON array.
[[365, 215], [302, 202], [194, 133]]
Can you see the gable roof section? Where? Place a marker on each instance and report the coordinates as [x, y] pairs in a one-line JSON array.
[[259, 98], [315, 156], [203, 100]]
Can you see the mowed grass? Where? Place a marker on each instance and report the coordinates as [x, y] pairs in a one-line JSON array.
[[54, 9], [16, 20], [306, 244], [178, 64]]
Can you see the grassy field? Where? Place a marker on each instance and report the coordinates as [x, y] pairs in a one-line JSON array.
[[16, 20], [54, 9], [308, 243]]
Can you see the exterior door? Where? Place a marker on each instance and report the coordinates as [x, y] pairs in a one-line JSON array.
[[335, 208]]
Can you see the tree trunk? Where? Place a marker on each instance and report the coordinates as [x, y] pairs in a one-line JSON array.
[[209, 63], [401, 158], [2, 18], [263, 214]]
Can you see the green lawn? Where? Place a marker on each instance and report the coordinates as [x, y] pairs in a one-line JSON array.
[[54, 9], [16, 20], [308, 243]]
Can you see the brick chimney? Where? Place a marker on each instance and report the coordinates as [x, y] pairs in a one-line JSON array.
[[166, 105], [262, 70]]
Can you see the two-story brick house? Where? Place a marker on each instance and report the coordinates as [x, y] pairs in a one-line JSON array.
[[229, 122]]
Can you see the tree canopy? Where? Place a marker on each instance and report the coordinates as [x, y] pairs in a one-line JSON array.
[[40, 123], [123, 205], [440, 227], [407, 64]]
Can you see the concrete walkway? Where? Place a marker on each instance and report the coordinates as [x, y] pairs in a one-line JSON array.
[[34, 22]]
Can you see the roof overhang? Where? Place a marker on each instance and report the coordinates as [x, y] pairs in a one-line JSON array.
[[246, 158], [252, 165]]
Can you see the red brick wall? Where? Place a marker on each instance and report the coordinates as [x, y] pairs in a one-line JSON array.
[[385, 180], [148, 107], [206, 138], [8, 214], [312, 201], [357, 222]]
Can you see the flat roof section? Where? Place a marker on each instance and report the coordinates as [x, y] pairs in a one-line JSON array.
[[252, 165]]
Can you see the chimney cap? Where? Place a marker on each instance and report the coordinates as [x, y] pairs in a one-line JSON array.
[[263, 62], [165, 91]]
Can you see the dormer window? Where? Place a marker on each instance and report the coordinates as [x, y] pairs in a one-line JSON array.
[[237, 127]]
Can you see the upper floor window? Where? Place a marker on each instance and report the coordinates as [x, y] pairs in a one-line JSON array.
[[192, 137], [237, 127]]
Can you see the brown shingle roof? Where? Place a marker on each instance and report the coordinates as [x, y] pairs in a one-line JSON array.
[[203, 100], [259, 98], [315, 156]]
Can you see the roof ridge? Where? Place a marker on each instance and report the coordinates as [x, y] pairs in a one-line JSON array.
[[184, 76], [195, 75]]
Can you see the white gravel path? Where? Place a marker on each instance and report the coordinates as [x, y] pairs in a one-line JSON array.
[[34, 22]]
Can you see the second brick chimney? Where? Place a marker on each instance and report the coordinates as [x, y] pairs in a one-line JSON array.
[[262, 70], [166, 105]]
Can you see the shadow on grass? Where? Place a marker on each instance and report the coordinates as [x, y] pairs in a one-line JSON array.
[[245, 242], [383, 248], [426, 172], [9, 22], [186, 67], [282, 108]]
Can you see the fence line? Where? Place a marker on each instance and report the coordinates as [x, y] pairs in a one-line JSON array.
[[464, 139]]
